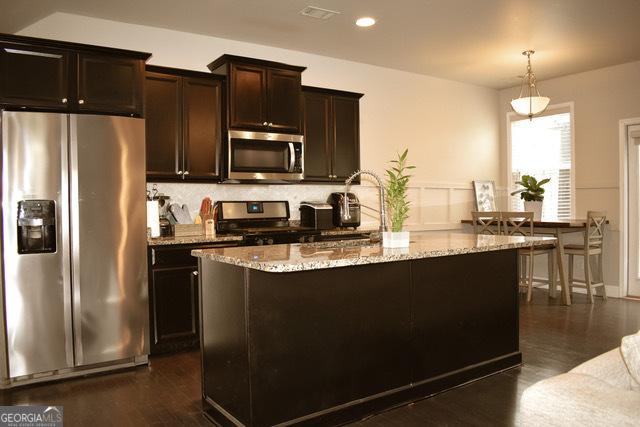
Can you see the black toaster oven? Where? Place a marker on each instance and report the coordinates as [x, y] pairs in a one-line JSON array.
[[316, 215]]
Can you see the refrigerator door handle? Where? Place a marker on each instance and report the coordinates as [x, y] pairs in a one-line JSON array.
[[64, 230], [74, 204]]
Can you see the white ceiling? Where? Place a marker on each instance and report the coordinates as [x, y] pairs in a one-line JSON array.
[[475, 41]]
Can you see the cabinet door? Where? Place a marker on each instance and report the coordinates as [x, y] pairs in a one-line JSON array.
[[284, 92], [317, 137], [110, 84], [34, 77], [174, 309], [346, 136], [163, 121], [202, 133], [247, 97]]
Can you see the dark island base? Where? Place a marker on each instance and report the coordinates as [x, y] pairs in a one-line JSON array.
[[326, 347], [356, 411]]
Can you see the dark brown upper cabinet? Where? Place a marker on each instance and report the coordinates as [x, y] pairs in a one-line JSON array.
[[261, 95], [201, 127], [247, 104], [284, 94], [31, 75], [183, 129], [331, 134], [163, 122], [49, 75], [110, 84]]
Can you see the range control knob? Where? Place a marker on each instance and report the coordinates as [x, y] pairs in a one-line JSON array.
[[310, 239], [301, 239], [269, 241], [259, 242]]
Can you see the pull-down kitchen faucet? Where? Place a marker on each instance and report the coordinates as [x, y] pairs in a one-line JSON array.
[[345, 200]]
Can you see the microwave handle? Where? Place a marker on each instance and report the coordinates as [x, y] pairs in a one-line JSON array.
[[292, 157]]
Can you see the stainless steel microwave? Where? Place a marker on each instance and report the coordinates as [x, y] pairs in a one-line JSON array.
[[262, 156]]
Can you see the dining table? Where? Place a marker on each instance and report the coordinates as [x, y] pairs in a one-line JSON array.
[[557, 229]]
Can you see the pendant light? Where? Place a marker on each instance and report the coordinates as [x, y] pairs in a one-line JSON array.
[[529, 103]]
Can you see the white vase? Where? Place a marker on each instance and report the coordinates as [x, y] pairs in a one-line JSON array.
[[536, 208], [395, 239]]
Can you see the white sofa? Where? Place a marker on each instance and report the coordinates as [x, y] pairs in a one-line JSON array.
[[604, 391]]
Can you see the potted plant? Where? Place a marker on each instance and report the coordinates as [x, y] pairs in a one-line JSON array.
[[397, 202], [532, 193]]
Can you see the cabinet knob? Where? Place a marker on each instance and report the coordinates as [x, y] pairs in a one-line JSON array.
[[81, 101], [195, 273], [179, 172], [265, 124], [64, 100], [270, 123], [186, 172]]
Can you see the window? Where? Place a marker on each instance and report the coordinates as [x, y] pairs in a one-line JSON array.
[[542, 147]]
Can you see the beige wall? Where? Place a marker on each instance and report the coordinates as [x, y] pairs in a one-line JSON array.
[[455, 132], [450, 128], [601, 99]]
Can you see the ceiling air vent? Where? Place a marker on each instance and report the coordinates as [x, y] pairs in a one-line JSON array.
[[318, 13]]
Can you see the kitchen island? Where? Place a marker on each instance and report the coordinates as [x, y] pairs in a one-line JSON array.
[[330, 332]]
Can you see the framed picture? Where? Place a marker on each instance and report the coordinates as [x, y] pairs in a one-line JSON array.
[[485, 192]]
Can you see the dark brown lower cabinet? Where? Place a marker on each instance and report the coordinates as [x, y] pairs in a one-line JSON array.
[[173, 297], [174, 315]]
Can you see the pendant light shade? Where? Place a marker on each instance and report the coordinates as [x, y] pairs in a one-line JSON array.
[[529, 103]]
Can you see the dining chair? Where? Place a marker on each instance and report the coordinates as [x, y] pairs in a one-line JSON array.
[[486, 222], [521, 224], [591, 246]]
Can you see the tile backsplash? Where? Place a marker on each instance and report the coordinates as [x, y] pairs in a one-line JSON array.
[[192, 194]]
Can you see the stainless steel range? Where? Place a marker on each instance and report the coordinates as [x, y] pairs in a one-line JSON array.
[[261, 223]]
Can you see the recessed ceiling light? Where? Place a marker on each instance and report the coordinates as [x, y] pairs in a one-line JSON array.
[[365, 21]]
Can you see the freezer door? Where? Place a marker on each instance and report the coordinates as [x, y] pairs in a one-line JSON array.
[[108, 240], [37, 294]]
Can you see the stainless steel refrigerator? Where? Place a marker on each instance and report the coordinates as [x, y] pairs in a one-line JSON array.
[[74, 264]]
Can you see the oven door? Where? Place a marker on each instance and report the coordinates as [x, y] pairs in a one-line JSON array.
[[259, 156]]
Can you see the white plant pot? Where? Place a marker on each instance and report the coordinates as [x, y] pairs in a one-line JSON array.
[[395, 239], [536, 208]]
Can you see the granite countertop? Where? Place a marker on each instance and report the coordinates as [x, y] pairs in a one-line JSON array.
[[339, 231], [190, 240], [194, 240], [315, 256]]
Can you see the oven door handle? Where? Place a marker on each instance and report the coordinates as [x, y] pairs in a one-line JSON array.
[[292, 157]]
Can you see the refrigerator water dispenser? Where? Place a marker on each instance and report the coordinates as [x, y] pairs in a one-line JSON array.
[[36, 226]]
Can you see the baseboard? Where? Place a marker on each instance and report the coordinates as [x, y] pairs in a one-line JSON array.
[[612, 291]]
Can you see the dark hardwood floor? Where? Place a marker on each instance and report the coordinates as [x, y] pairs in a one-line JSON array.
[[553, 339]]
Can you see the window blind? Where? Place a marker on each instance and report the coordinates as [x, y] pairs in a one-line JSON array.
[[542, 148]]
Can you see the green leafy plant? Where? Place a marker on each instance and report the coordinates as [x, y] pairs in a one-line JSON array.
[[396, 191], [532, 190]]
